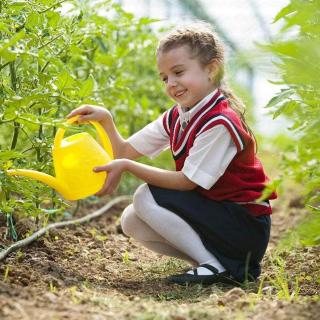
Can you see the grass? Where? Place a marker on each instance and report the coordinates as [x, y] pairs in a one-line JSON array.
[[284, 287], [284, 277]]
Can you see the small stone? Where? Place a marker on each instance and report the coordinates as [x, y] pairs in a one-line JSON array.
[[51, 297], [235, 293]]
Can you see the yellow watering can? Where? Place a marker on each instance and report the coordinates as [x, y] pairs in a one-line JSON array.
[[74, 158]]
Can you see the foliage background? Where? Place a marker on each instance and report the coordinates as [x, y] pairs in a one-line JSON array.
[[296, 55], [52, 62]]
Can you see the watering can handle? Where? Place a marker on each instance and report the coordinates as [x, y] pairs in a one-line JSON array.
[[105, 141]]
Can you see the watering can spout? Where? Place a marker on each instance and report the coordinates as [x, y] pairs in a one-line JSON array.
[[42, 177]]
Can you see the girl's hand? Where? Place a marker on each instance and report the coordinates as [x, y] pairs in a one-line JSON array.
[[89, 112], [115, 169]]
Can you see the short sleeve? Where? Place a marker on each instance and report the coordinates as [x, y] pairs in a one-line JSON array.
[[209, 157], [151, 140]]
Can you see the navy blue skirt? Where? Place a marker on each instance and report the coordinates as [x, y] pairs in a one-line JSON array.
[[228, 230]]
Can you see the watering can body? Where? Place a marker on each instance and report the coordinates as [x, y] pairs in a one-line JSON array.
[[74, 158]]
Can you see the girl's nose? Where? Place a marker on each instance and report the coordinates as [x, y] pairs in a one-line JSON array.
[[171, 82]]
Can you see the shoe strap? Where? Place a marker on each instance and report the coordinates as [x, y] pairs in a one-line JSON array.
[[209, 267]]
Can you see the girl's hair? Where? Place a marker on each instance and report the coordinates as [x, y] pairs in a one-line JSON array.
[[206, 46]]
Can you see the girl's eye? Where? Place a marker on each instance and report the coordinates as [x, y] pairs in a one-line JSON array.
[[179, 72], [164, 79]]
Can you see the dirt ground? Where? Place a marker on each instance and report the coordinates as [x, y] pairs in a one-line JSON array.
[[93, 271]]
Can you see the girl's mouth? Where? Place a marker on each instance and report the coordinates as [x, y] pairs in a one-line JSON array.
[[180, 93]]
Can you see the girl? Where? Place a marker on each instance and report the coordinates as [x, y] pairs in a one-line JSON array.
[[206, 211]]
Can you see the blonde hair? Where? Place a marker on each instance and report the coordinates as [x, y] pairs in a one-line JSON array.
[[206, 46]]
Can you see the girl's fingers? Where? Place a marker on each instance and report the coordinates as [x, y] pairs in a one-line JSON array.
[[110, 183], [102, 190], [82, 110], [101, 168], [106, 189], [85, 118]]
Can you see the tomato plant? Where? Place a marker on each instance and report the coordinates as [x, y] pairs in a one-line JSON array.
[[298, 55], [55, 56]]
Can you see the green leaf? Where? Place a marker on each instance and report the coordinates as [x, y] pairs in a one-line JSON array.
[[4, 28], [17, 37], [64, 80], [34, 19], [284, 12], [53, 19], [8, 155], [146, 20], [87, 87], [283, 95], [7, 55], [286, 108]]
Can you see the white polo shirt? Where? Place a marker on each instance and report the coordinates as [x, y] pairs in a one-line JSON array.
[[209, 156]]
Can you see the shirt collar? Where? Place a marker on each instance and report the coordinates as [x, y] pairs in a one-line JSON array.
[[190, 113]]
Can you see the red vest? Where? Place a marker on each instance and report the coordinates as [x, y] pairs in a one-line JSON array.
[[244, 179]]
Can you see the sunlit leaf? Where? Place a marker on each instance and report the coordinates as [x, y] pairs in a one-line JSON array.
[[284, 12], [86, 87], [10, 154]]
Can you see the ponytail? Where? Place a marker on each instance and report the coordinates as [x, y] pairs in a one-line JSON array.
[[238, 106]]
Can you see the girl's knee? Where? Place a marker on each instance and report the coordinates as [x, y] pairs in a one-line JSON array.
[[127, 221], [141, 199]]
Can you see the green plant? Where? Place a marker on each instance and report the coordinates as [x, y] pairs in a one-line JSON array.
[[6, 273], [126, 258], [297, 60], [53, 58], [285, 287]]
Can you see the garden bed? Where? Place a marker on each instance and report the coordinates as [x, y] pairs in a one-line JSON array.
[[93, 271]]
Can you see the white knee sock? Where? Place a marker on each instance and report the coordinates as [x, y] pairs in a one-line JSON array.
[[172, 228]]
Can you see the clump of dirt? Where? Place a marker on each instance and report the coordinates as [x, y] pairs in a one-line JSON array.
[[94, 271]]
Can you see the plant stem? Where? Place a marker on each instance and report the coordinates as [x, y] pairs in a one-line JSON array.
[[76, 208], [44, 67], [15, 135], [40, 135], [54, 5], [33, 145], [13, 77], [52, 40], [4, 65]]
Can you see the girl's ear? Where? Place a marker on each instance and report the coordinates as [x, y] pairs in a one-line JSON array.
[[212, 69]]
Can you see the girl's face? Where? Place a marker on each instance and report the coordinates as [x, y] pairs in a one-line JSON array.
[[187, 81]]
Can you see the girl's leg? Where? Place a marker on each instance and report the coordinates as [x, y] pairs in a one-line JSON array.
[[174, 229], [134, 227]]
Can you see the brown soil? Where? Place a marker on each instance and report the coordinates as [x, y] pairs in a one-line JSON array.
[[93, 271]]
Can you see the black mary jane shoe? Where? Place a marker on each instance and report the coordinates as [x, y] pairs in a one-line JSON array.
[[215, 277]]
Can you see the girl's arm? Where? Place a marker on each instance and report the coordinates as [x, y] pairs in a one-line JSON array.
[[167, 179], [121, 148]]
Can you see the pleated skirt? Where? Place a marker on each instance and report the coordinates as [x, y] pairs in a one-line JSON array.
[[229, 231]]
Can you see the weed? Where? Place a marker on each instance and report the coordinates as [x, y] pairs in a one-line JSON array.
[[6, 274], [286, 288], [94, 233], [20, 255], [74, 294], [52, 287], [189, 293], [126, 258]]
